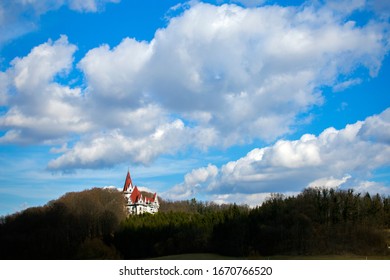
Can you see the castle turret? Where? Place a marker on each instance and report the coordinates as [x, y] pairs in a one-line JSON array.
[[128, 183], [135, 202]]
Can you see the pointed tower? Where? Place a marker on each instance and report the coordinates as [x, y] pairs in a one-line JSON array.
[[128, 186], [128, 190], [136, 203]]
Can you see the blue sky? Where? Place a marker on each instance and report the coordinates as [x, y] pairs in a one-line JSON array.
[[225, 101]]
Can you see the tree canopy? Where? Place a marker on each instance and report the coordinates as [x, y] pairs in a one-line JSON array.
[[93, 225]]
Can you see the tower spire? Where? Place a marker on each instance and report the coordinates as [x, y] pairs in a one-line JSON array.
[[128, 182]]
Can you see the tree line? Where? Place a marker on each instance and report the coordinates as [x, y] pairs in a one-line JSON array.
[[92, 225], [71, 227]]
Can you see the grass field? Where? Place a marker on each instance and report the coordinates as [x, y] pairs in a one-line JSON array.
[[196, 257], [327, 257], [277, 257]]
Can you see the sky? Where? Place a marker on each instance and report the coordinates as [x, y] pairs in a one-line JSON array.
[[224, 101]]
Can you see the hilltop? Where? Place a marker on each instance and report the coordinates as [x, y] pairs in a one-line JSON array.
[[93, 224]]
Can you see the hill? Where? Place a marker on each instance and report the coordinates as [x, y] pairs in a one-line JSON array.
[[67, 228], [93, 225]]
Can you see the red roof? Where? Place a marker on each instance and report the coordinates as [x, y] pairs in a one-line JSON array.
[[151, 199], [135, 195], [128, 182]]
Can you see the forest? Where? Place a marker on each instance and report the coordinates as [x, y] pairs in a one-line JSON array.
[[92, 224]]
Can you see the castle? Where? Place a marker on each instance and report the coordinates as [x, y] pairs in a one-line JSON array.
[[136, 203]]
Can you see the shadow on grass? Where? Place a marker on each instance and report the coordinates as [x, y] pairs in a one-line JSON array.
[[196, 257], [276, 257]]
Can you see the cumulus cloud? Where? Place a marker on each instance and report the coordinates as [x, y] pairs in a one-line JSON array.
[[125, 61], [116, 146], [252, 200], [216, 76], [377, 128], [196, 178], [41, 109], [329, 182], [257, 68], [334, 158], [4, 84], [372, 188], [107, 149]]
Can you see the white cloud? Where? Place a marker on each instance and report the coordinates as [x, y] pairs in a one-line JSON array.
[[216, 76], [112, 188], [107, 149], [372, 188], [377, 128], [125, 61], [117, 146], [255, 63], [311, 161], [4, 84], [296, 154], [346, 84], [252, 200], [39, 108], [250, 72], [60, 150], [329, 182], [201, 175], [44, 62]]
